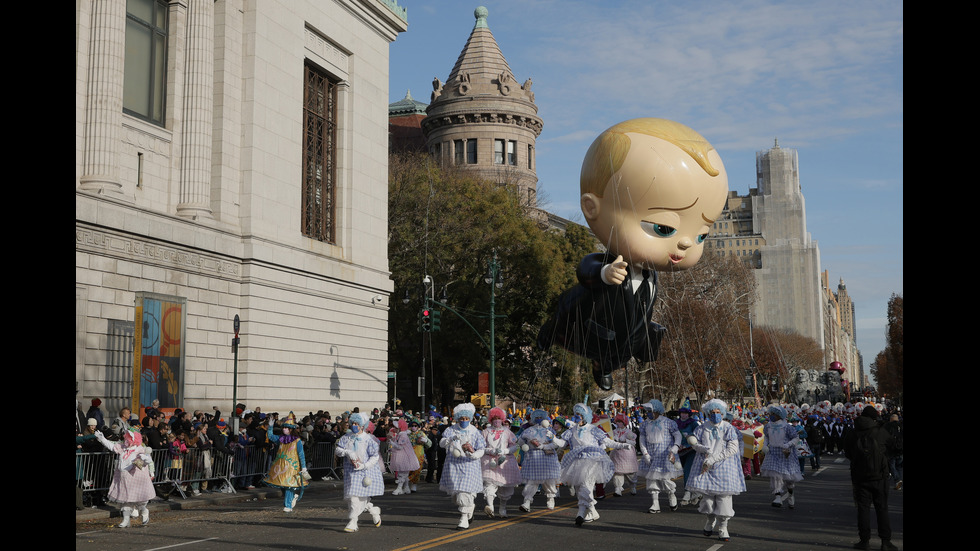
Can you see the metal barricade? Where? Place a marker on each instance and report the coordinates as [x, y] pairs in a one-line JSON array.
[[321, 461], [194, 470]]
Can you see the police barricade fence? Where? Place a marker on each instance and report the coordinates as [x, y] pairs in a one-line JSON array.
[[204, 469]]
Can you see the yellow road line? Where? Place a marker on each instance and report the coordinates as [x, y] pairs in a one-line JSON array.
[[469, 533]]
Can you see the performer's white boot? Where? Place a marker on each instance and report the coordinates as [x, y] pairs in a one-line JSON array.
[[464, 522], [502, 509], [526, 506], [551, 503], [145, 515], [687, 497], [672, 500], [723, 528], [351, 526], [655, 506], [709, 526], [790, 499], [375, 514], [591, 514], [489, 508], [126, 513]]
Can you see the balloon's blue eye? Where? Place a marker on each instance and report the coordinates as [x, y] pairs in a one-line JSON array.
[[702, 237], [663, 231]]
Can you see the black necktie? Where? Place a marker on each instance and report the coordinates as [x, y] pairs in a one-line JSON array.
[[643, 295]]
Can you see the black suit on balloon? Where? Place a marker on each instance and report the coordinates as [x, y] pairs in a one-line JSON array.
[[608, 324]]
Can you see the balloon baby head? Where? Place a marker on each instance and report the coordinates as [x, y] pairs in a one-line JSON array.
[[651, 189]]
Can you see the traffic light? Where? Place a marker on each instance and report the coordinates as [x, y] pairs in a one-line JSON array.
[[426, 320], [436, 319]]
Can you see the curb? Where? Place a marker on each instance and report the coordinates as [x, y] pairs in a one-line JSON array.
[[175, 503]]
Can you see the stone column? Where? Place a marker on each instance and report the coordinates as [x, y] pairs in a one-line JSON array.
[[198, 108], [104, 101]]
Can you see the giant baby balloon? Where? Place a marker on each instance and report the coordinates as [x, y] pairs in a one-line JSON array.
[[651, 189]]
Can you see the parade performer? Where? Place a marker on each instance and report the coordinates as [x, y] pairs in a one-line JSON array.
[[686, 424], [586, 463], [362, 471], [624, 460], [403, 459], [420, 443], [716, 473], [500, 471], [660, 440], [540, 466], [781, 464], [132, 482], [462, 477], [288, 471]]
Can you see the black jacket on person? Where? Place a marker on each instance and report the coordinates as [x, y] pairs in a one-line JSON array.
[[865, 465]]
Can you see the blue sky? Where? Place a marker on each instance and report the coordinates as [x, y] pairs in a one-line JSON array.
[[824, 78]]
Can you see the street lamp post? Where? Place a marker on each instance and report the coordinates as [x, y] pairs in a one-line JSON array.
[[492, 277], [493, 272]]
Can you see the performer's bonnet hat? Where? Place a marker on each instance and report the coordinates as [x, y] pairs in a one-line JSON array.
[[464, 410]]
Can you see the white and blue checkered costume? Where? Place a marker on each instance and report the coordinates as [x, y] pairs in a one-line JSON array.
[[781, 435], [463, 473], [717, 444], [659, 438], [538, 463], [587, 463], [364, 447]]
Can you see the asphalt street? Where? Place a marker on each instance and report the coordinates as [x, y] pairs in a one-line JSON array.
[[824, 518]]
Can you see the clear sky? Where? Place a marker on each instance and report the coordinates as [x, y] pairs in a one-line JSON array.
[[824, 78]]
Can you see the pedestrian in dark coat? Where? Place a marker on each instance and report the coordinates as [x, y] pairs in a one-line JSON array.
[[867, 446]]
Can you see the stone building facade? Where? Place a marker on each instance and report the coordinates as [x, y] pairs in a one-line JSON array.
[[231, 159]]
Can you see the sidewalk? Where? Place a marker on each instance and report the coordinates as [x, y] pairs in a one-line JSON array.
[[175, 502]]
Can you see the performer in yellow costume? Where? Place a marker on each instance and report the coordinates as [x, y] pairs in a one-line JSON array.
[[288, 471]]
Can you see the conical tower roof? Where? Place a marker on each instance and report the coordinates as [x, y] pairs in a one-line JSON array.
[[481, 58], [481, 81]]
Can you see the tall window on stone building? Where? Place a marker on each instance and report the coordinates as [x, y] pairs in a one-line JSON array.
[[498, 152], [471, 152], [512, 152], [319, 155], [530, 157], [145, 71], [458, 151]]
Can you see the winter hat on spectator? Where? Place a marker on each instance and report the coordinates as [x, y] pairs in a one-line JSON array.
[[92, 422]]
